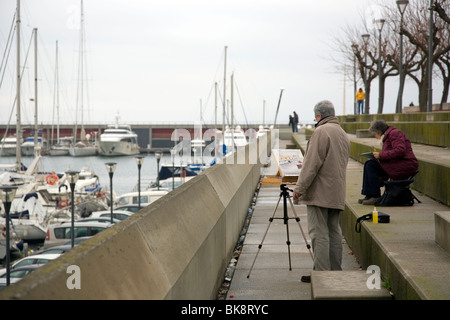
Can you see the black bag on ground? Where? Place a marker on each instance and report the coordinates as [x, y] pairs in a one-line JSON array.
[[396, 193], [382, 218]]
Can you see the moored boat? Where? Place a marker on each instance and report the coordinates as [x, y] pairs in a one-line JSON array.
[[118, 140]]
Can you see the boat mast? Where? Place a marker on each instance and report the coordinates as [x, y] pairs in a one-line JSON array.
[[18, 127], [80, 93], [35, 92], [224, 90], [215, 104], [56, 99]]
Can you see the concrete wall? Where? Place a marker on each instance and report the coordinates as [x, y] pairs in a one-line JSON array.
[[176, 248]]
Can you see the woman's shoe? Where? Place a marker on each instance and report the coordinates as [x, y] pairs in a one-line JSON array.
[[370, 202], [361, 200]]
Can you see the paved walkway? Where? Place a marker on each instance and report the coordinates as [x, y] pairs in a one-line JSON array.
[[270, 277]]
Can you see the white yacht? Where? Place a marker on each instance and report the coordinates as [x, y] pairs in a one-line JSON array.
[[8, 146], [118, 140], [28, 147]]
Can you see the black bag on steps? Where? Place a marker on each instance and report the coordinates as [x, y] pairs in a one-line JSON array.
[[382, 218], [397, 193]]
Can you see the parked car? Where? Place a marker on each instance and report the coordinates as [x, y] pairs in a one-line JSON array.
[[147, 197], [26, 261], [63, 247], [60, 233], [17, 274], [56, 249], [98, 219], [117, 214], [131, 207]]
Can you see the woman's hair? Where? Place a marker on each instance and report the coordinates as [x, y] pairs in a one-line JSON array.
[[325, 108], [378, 126]]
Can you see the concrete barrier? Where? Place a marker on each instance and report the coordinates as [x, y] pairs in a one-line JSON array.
[[176, 248], [442, 227]]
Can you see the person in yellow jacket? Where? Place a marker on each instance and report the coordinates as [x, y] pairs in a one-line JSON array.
[[360, 97]]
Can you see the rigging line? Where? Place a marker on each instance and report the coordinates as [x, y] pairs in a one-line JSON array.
[[242, 105], [20, 80], [8, 43], [219, 66]]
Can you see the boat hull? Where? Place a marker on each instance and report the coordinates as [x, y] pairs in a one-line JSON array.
[[8, 152], [113, 148], [59, 151], [83, 151], [30, 233]]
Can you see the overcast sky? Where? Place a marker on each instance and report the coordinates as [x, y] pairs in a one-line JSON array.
[[157, 60]]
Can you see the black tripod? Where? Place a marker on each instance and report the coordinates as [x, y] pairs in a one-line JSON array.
[[285, 194]]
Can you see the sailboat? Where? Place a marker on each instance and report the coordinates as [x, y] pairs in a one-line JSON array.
[[85, 147]]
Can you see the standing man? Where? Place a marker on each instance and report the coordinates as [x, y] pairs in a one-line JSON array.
[[360, 97], [295, 125], [321, 186]]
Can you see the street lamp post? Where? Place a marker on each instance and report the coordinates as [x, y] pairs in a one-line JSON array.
[[158, 158], [401, 4], [380, 24], [111, 167], [72, 177], [365, 37], [430, 61], [7, 194], [355, 110], [139, 161]]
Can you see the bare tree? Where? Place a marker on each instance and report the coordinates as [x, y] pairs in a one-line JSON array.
[[416, 30]]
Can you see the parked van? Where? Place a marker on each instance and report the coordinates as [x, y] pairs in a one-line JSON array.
[[147, 197], [59, 233]]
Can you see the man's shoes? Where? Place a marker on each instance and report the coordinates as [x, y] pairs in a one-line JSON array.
[[370, 202], [306, 279]]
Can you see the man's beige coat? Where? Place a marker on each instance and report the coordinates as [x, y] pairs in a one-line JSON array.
[[322, 178]]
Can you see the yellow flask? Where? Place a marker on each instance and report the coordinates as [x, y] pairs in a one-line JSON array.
[[375, 215]]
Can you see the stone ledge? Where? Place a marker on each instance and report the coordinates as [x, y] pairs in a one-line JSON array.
[[442, 227], [345, 285]]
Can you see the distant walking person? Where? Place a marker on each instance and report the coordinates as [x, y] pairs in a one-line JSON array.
[[360, 97], [295, 124], [321, 186]]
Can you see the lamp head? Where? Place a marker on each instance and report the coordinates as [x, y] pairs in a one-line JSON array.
[[111, 167], [139, 160], [380, 23], [402, 4], [7, 193], [72, 176]]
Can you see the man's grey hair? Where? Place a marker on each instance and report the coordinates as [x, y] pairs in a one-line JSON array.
[[325, 108], [378, 126]]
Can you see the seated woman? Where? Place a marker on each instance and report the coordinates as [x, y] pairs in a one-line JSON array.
[[396, 161]]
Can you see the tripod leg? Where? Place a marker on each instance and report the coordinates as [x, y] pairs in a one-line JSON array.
[[301, 229], [262, 241], [288, 242]]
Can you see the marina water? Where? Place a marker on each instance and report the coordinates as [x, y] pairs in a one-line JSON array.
[[125, 177]]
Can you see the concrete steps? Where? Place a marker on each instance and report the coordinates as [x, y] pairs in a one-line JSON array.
[[410, 249]]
